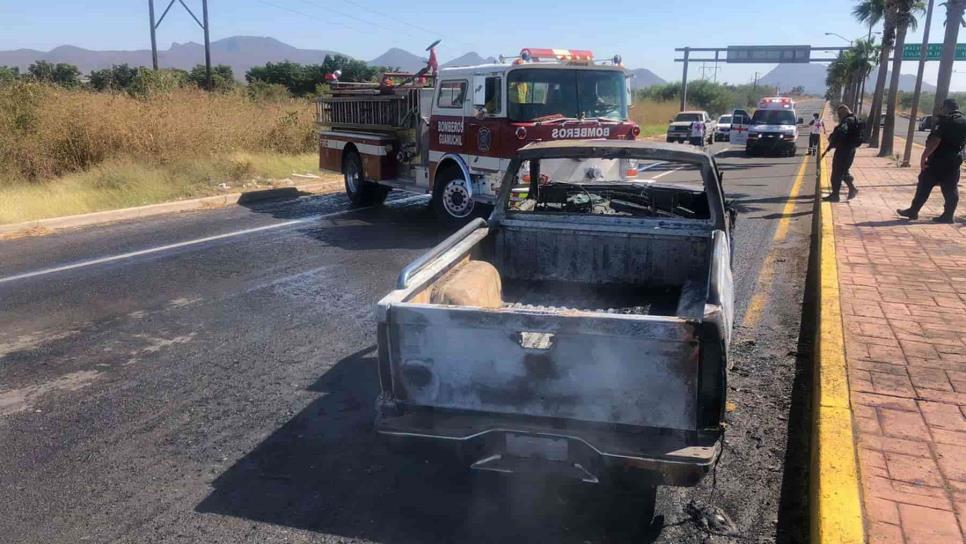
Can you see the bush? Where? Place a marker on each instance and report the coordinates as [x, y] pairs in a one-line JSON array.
[[150, 83], [47, 131], [116, 78], [715, 98], [304, 79], [222, 77], [9, 73], [271, 92], [65, 75]]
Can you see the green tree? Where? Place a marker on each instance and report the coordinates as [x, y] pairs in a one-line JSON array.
[[9, 73], [116, 78], [222, 77], [150, 83], [65, 75]]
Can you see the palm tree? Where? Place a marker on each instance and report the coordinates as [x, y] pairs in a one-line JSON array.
[[954, 18], [903, 14], [846, 74], [888, 41], [889, 17], [870, 12]]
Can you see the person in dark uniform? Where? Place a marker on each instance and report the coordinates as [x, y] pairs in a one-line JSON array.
[[940, 163], [844, 140]]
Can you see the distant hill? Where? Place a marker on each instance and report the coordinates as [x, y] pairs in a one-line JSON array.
[[812, 77], [469, 59], [399, 58], [644, 78], [239, 52]]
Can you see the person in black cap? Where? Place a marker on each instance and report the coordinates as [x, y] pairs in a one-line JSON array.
[[844, 140], [940, 163]]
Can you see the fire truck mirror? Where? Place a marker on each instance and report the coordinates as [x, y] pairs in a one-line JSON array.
[[479, 91]]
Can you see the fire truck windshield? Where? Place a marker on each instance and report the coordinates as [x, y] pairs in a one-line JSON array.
[[566, 93]]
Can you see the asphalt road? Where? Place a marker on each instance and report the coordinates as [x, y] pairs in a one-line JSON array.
[[210, 377]]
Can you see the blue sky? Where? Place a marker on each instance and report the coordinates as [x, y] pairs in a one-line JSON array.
[[644, 32]]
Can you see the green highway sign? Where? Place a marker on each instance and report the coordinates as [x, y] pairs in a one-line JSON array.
[[911, 51]]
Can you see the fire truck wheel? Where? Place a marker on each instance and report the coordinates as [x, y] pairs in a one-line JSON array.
[[360, 191], [451, 198]]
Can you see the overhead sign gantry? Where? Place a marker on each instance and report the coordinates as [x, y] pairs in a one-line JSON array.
[[751, 54]]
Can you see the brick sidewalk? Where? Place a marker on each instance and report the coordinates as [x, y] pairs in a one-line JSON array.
[[903, 296]]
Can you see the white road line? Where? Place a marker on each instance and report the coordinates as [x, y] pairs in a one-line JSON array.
[[648, 167], [661, 175], [187, 243]]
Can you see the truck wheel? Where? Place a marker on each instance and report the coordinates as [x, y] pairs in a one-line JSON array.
[[451, 198], [360, 191]]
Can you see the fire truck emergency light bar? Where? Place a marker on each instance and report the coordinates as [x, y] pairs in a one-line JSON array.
[[533, 54]]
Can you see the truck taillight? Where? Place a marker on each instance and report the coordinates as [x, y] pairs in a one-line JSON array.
[[636, 131]]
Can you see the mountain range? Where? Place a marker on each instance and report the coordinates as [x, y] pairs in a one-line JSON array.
[[812, 77], [241, 53]]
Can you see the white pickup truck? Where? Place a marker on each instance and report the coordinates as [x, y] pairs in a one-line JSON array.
[[584, 329], [679, 129]]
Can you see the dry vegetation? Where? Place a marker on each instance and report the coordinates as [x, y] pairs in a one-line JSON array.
[[83, 151], [653, 115]]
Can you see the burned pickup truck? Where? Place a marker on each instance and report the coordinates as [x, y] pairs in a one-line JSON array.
[[583, 329]]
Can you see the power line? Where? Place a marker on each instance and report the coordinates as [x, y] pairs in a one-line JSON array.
[[309, 15], [433, 33], [348, 15]]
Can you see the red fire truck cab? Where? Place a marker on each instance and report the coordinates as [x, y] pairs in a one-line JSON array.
[[452, 134]]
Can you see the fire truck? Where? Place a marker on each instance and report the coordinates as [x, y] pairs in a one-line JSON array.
[[451, 132]]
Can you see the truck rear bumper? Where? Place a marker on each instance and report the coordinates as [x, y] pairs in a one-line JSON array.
[[587, 451]]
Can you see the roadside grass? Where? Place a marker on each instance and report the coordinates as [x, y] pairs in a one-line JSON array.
[[126, 182], [653, 115]]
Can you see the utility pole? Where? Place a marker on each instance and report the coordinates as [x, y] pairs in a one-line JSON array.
[[204, 9], [204, 26], [918, 92], [755, 86], [684, 80], [154, 40]]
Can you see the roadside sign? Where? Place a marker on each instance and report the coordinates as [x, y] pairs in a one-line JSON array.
[[768, 54], [934, 51]]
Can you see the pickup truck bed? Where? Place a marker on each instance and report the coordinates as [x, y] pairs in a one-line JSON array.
[[583, 341]]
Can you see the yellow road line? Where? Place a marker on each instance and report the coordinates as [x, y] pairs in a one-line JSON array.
[[766, 276], [835, 501]]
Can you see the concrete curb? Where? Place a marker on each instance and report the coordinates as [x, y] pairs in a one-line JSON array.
[[47, 226], [834, 498]]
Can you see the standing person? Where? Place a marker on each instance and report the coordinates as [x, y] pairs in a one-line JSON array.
[[697, 133], [940, 163], [845, 138], [817, 128]]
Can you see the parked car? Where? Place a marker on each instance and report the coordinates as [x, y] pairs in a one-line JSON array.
[[722, 131], [679, 128], [584, 329], [926, 123]]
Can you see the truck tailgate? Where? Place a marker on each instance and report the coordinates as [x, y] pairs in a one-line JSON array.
[[624, 369]]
